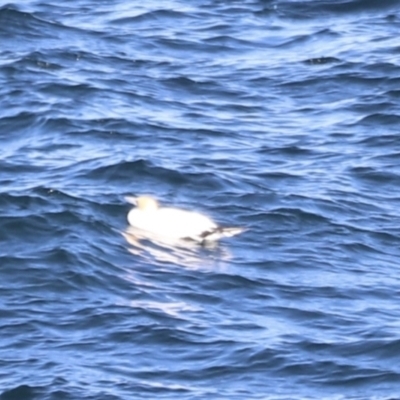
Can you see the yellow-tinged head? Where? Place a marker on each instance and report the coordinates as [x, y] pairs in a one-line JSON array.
[[146, 203]]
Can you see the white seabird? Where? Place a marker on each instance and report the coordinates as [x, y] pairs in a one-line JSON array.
[[174, 223]]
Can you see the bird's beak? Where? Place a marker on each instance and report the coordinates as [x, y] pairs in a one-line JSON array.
[[131, 199]]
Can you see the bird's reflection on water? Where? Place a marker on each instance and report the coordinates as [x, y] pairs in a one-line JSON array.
[[180, 252]]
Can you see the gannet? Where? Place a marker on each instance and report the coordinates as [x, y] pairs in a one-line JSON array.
[[173, 223]]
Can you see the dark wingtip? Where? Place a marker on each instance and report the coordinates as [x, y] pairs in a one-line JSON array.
[[221, 232]]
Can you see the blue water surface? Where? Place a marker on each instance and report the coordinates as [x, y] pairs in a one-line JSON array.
[[280, 116]]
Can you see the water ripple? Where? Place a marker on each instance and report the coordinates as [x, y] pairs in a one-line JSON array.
[[279, 116]]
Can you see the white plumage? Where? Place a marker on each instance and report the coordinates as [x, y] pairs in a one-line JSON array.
[[174, 223]]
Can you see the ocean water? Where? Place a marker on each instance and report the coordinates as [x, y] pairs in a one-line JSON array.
[[280, 116]]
